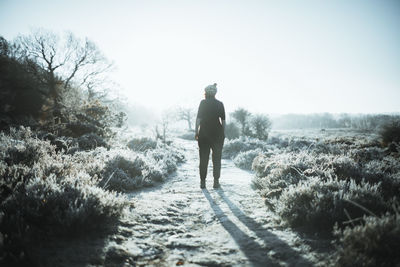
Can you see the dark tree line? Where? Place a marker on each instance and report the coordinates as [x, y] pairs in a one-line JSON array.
[[326, 120]]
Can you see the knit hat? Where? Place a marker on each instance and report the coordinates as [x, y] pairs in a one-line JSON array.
[[211, 89]]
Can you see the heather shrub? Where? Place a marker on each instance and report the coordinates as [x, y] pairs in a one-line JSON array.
[[390, 132], [20, 147], [90, 141], [142, 144], [366, 154], [376, 242], [93, 117], [124, 174], [343, 167], [67, 204], [275, 173], [129, 170], [297, 144], [77, 128], [245, 159], [387, 173], [233, 147], [166, 158], [278, 141], [44, 191], [318, 205]]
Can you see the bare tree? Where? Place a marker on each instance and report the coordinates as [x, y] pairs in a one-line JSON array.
[[165, 120], [68, 60], [186, 114]]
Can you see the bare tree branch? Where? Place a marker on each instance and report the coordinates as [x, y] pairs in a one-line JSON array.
[[69, 60]]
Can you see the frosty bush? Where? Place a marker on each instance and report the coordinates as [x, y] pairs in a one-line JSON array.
[[244, 160], [77, 128], [20, 147], [374, 243], [90, 141], [317, 204], [387, 173], [390, 132], [67, 204], [233, 147], [313, 183], [124, 174], [278, 141], [366, 154], [142, 144], [41, 190], [275, 173], [167, 158], [343, 167], [134, 170]]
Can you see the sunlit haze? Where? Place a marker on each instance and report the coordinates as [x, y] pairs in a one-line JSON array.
[[267, 56]]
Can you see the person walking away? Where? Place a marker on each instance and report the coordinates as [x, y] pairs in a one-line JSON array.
[[210, 134]]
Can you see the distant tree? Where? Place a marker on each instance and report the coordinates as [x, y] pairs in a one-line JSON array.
[[67, 60], [344, 120], [186, 114], [242, 116], [260, 125], [165, 122]]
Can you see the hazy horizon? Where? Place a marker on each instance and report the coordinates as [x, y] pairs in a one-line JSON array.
[[274, 57]]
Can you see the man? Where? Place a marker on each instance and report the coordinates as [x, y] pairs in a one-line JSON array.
[[210, 128]]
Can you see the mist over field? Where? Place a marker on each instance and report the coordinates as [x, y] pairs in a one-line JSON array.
[[109, 111]]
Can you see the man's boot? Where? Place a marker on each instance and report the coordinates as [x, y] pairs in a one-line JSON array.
[[216, 183], [202, 183]]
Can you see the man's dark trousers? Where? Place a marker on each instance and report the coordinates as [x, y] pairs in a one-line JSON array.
[[205, 145]]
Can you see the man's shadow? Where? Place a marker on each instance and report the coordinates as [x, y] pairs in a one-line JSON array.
[[256, 254]]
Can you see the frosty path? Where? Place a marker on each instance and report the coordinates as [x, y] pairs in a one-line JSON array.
[[177, 223]]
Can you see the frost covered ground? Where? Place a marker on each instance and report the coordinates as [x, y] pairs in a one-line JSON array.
[[177, 223], [171, 221]]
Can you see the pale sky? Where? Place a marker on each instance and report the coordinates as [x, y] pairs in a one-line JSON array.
[[268, 56]]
